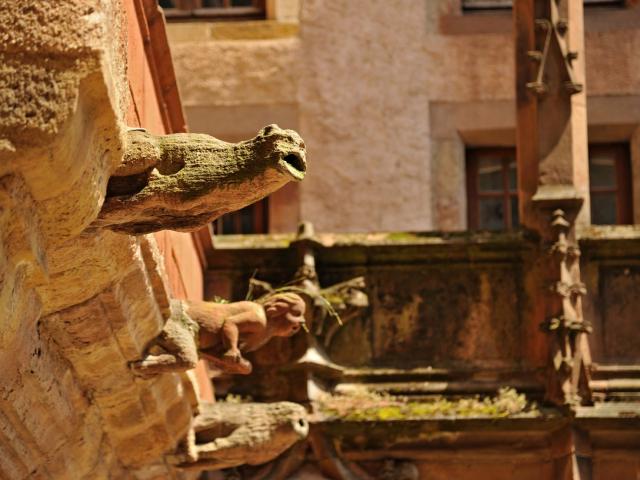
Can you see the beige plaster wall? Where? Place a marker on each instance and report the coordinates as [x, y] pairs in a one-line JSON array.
[[387, 95]]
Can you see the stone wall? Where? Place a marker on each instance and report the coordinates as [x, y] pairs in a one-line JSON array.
[[443, 302], [447, 320], [76, 304], [387, 95]]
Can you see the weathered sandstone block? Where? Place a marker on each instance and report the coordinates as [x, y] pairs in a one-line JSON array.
[[184, 181], [230, 434]]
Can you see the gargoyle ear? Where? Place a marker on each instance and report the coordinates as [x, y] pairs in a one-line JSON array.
[[269, 129]]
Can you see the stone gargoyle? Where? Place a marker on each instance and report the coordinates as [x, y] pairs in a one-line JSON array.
[[220, 333], [331, 307], [183, 181], [226, 435]]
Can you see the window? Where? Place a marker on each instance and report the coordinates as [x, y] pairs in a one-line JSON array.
[[492, 192], [251, 219], [221, 9], [498, 5], [610, 184], [492, 200]]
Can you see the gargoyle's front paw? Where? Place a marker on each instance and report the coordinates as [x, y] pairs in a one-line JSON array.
[[156, 364], [140, 369], [180, 458], [235, 363]]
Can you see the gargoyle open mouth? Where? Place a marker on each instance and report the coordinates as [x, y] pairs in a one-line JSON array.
[[293, 164]]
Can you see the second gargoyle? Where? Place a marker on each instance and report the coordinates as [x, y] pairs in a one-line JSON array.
[[220, 333]]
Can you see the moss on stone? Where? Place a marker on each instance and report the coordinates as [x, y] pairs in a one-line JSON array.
[[369, 406]]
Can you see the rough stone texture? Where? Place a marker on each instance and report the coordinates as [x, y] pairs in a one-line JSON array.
[[246, 72], [220, 333], [361, 83], [611, 274], [446, 303], [230, 434], [74, 306], [184, 181]]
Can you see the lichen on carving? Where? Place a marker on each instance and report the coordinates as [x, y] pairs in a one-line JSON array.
[[183, 181]]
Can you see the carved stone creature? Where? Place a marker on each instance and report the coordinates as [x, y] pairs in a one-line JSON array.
[[220, 333], [399, 470], [227, 435], [185, 180], [348, 299]]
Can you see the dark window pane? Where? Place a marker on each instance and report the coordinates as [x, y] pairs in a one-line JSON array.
[[166, 3], [490, 175], [483, 5], [246, 219], [603, 209], [213, 3], [513, 177], [602, 170], [242, 3], [491, 213], [515, 218], [227, 224], [250, 219]]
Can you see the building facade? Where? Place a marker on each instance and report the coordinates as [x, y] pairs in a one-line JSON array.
[[412, 112], [400, 103]]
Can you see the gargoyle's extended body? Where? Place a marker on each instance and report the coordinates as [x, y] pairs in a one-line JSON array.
[[231, 434], [220, 332], [183, 181]]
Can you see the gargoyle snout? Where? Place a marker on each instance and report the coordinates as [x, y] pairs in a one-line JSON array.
[[296, 161], [290, 150], [293, 159], [301, 427]]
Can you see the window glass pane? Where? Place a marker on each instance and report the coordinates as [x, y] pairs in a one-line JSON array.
[[490, 175], [212, 3], [513, 176], [166, 3], [602, 169], [515, 218], [603, 209], [481, 5], [242, 3], [250, 219], [246, 219], [491, 212], [228, 224]]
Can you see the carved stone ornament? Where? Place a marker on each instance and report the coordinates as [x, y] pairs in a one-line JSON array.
[[570, 356], [183, 181], [220, 333], [331, 307], [226, 435]]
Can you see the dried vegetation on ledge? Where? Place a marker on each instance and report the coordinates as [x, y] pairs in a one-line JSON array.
[[364, 405]]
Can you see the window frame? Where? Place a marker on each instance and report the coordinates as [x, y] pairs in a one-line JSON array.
[[193, 10], [473, 157], [260, 219], [484, 6], [623, 190]]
